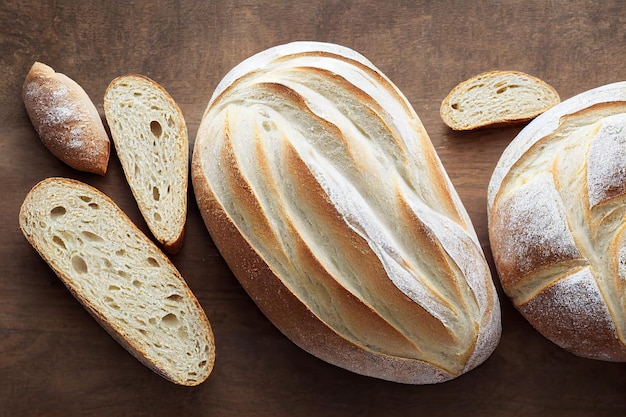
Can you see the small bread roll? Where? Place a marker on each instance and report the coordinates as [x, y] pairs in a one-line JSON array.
[[66, 119]]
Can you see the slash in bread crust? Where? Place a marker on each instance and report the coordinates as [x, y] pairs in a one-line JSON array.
[[321, 189]]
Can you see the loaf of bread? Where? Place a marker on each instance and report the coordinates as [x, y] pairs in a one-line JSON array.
[[150, 137], [557, 223], [319, 185], [497, 98], [66, 119], [124, 280]]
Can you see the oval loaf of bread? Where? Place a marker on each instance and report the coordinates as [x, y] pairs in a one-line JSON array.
[[557, 223], [150, 137], [323, 192], [66, 119], [497, 98], [126, 282]]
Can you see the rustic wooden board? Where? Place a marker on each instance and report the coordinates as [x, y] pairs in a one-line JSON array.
[[55, 360]]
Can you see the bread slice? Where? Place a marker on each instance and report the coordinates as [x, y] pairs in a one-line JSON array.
[[66, 119], [150, 137], [121, 277], [497, 98]]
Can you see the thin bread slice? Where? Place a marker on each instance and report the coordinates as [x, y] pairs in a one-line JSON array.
[[497, 98], [121, 277], [150, 137]]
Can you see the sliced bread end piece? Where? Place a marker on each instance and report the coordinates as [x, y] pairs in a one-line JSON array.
[[121, 277], [497, 98], [150, 137]]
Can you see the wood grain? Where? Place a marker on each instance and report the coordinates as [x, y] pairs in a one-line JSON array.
[[55, 360]]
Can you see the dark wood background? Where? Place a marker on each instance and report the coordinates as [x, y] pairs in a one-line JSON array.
[[55, 359]]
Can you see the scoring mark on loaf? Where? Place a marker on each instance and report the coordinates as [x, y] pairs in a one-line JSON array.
[[577, 169], [320, 161]]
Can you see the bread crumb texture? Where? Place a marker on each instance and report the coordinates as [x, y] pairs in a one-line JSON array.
[[496, 98], [123, 279], [150, 137]]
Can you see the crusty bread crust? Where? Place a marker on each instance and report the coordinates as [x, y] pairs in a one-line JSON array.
[[556, 204], [125, 282], [497, 98], [150, 137], [389, 281], [66, 120]]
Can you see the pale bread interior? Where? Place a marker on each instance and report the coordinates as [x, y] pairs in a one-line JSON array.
[[121, 277], [496, 98], [150, 137]]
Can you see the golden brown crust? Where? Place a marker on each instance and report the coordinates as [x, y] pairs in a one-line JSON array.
[[288, 313], [557, 200], [322, 191], [66, 120], [573, 314]]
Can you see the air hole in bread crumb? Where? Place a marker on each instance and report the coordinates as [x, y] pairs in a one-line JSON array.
[[85, 198], [157, 217], [156, 129], [502, 90], [92, 236], [114, 288], [155, 194], [137, 283], [175, 297], [455, 106], [170, 319], [94, 206], [59, 242], [152, 261], [137, 94], [57, 212], [79, 265]]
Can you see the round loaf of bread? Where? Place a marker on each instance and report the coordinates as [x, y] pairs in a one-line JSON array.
[[322, 190], [557, 222]]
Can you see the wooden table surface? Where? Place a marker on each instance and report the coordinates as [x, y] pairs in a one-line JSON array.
[[55, 359]]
